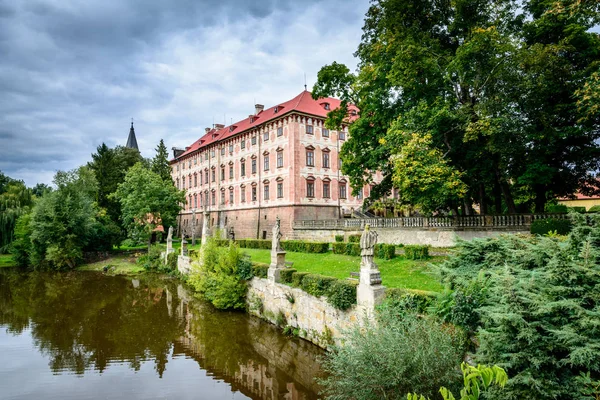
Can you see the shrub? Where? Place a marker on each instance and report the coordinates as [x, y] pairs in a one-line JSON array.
[[390, 358], [416, 252], [221, 276], [297, 278], [353, 249], [342, 294], [339, 238], [339, 248], [545, 226], [354, 238], [406, 300], [535, 316], [301, 246], [578, 209], [172, 261], [556, 209], [260, 270], [152, 260], [316, 285], [286, 275], [385, 251], [594, 209]]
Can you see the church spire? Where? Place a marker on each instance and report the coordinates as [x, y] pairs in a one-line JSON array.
[[131, 140]]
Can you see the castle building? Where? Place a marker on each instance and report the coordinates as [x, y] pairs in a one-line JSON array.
[[279, 162]]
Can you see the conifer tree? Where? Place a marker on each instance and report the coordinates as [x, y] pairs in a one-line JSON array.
[[160, 162]]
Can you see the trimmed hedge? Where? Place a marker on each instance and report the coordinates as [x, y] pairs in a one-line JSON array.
[[260, 270], [385, 251], [301, 246], [297, 278], [342, 294], [594, 209], [416, 252], [556, 209], [353, 249], [339, 248], [254, 244], [339, 238], [285, 275], [354, 238], [544, 226], [578, 209], [317, 285]]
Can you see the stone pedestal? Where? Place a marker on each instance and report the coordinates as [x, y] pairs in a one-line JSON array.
[[370, 291], [184, 247], [277, 264], [205, 231]]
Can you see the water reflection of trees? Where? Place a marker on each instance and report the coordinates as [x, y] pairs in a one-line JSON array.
[[83, 321]]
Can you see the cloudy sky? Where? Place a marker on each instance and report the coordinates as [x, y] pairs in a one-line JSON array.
[[73, 73]]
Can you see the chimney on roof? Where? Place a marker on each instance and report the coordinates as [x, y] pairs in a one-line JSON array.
[[258, 108], [219, 126], [206, 130]]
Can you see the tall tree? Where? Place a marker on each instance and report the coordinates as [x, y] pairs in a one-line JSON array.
[[147, 202], [468, 73], [160, 162]]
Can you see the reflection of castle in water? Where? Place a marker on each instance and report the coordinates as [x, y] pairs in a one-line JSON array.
[[266, 365]]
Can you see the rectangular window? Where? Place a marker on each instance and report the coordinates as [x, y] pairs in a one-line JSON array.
[[206, 176], [231, 196], [200, 178], [310, 188], [266, 162], [195, 161], [213, 198], [243, 168], [253, 140], [342, 190], [265, 136], [190, 182], [213, 175], [309, 129], [201, 202], [280, 131], [243, 194], [253, 193], [326, 190], [279, 190], [254, 165], [212, 153], [231, 148], [325, 132], [231, 172], [183, 182], [222, 197], [222, 173], [326, 160], [266, 190], [359, 195], [195, 202], [279, 159], [310, 158], [342, 135], [206, 155], [243, 144], [195, 180]]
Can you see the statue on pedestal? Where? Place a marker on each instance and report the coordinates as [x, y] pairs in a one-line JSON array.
[[205, 231], [368, 240], [276, 245], [170, 240]]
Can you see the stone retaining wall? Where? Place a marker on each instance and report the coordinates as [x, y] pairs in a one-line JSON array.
[[314, 318], [435, 237]]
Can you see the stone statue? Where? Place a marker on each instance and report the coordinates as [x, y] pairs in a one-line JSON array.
[[231, 233], [276, 246], [368, 240], [205, 230], [170, 235], [169, 242]]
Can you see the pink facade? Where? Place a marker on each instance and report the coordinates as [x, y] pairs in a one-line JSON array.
[[280, 162]]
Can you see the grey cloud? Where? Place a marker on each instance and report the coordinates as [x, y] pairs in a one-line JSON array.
[[72, 73]]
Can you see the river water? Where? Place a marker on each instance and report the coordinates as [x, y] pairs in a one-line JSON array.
[[84, 335]]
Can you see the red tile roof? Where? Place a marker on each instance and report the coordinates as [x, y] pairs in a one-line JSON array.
[[303, 103]]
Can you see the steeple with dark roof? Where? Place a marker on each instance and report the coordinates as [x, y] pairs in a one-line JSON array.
[[131, 140]]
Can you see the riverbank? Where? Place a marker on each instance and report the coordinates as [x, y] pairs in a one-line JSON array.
[[117, 265]]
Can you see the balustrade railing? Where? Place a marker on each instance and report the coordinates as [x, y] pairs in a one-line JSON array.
[[469, 221]]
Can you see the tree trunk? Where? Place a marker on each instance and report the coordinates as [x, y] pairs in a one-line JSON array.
[[468, 202], [483, 210], [540, 198], [497, 192], [508, 199]]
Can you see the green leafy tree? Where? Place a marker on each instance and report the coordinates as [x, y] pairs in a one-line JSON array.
[[110, 166], [15, 200], [160, 162], [423, 175], [63, 221], [147, 202], [494, 84]]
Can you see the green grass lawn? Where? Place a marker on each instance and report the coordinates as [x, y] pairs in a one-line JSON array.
[[123, 265], [6, 261], [399, 272]]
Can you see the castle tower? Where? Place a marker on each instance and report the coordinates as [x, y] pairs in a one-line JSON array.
[[131, 140]]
